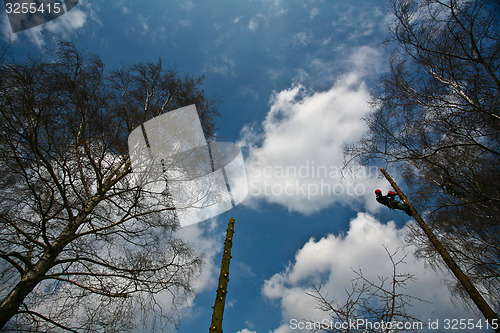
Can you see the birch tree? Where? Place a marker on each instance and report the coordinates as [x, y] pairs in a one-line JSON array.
[[81, 246], [436, 120]]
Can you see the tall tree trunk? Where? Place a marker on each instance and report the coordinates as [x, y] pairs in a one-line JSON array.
[[33, 275], [220, 299], [474, 294], [10, 305]]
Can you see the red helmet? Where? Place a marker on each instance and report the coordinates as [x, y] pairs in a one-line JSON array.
[[378, 192]]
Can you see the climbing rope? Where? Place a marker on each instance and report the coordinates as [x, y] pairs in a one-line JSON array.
[[402, 219]]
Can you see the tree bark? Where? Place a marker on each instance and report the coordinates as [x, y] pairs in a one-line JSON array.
[[10, 305], [28, 282], [220, 299]]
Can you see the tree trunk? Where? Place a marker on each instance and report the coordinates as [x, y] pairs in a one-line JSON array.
[[32, 276], [474, 294], [220, 299], [10, 305]]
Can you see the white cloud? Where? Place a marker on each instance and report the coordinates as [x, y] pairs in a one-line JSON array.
[[246, 331], [297, 159], [366, 60], [143, 24], [277, 7], [252, 25], [66, 24], [248, 91], [330, 261], [255, 22], [35, 36], [314, 12], [120, 4], [188, 6], [224, 65], [270, 11], [249, 324], [198, 236], [302, 38], [361, 22]]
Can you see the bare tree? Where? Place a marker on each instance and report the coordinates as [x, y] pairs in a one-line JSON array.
[[382, 302], [82, 247], [437, 119]]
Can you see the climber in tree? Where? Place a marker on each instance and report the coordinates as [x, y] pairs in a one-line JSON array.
[[390, 201]]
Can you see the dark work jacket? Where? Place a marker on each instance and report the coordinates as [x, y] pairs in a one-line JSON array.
[[384, 200]]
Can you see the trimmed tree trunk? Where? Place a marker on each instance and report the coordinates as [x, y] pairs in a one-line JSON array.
[[220, 299], [474, 294]]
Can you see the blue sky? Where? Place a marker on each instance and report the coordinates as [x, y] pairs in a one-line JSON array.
[[295, 79]]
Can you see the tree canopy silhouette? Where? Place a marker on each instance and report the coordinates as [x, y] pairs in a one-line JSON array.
[[437, 119], [81, 245]]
